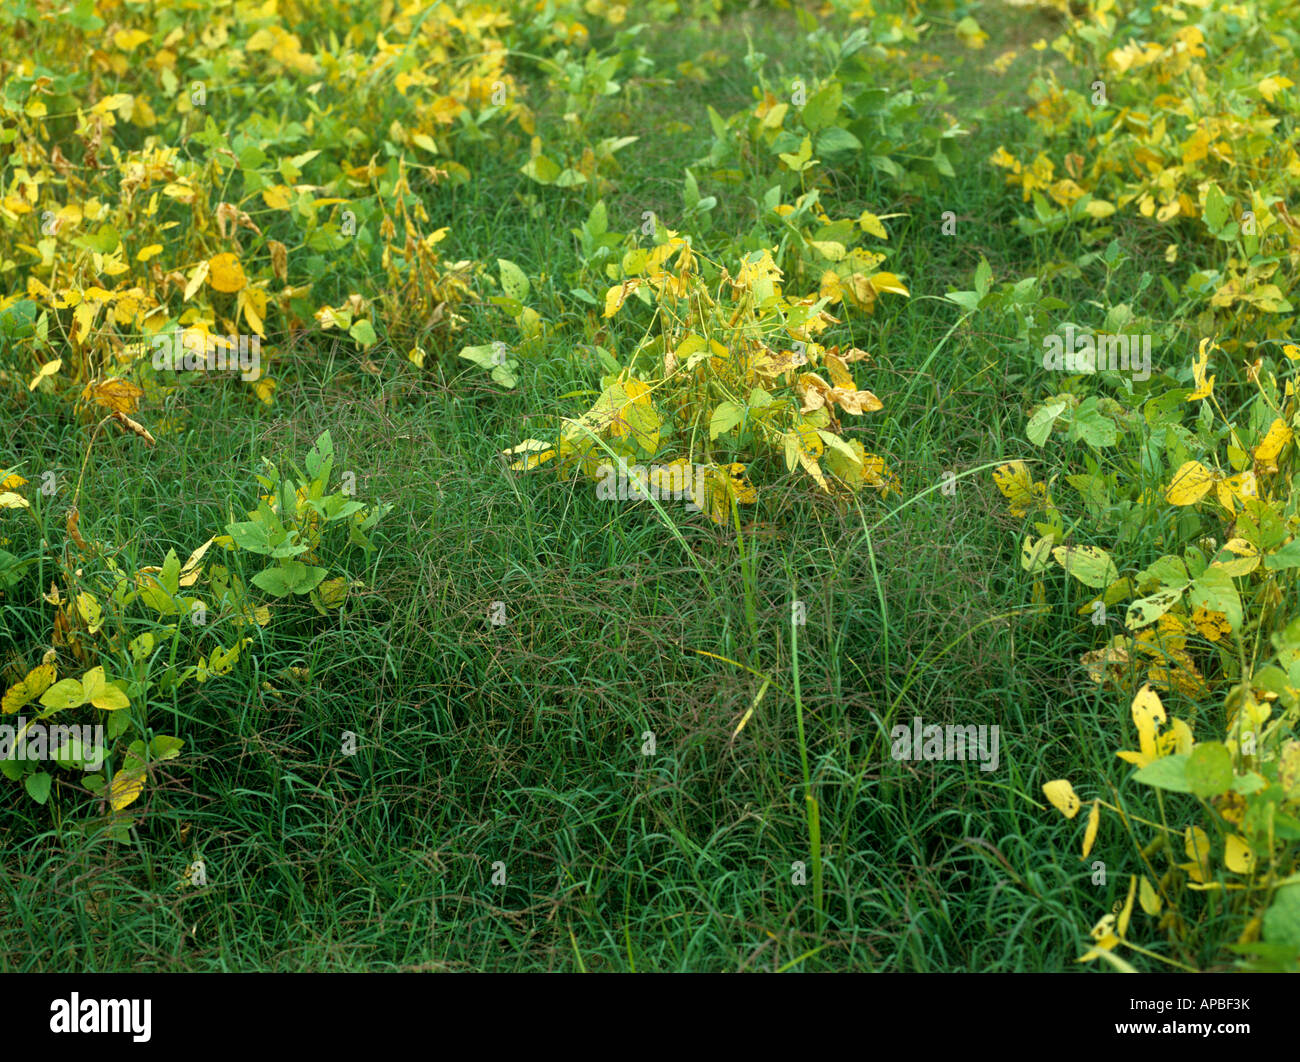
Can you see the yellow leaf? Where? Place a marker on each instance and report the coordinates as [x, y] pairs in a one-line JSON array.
[[189, 574], [90, 611], [872, 224], [888, 282], [115, 393], [37, 681], [1271, 86], [1204, 384], [68, 693], [1017, 486], [1121, 924], [1149, 898], [129, 40], [48, 369], [149, 252], [277, 196], [196, 280], [1090, 832], [617, 295], [1148, 713], [1238, 856], [99, 693], [535, 453], [1190, 484], [1061, 793], [226, 274], [1270, 446], [126, 788]]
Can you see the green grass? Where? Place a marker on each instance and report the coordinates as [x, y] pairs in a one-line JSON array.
[[522, 744]]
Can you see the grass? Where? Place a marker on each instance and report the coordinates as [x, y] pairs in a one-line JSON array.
[[795, 844]]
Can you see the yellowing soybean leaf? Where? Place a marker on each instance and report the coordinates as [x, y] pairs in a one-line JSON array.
[[126, 787], [1090, 833], [1147, 610], [1147, 712], [1149, 898], [225, 273], [1034, 553], [36, 682], [278, 197], [115, 393], [196, 280], [130, 40], [888, 282], [514, 282], [1061, 794], [90, 612], [1270, 446], [99, 693], [1121, 923], [333, 592], [725, 417], [67, 693], [535, 453], [48, 369], [1238, 856], [617, 295], [1190, 484], [644, 423], [1017, 486], [1091, 565], [870, 223]]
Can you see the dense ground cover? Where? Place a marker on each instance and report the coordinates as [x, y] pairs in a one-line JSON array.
[[394, 674]]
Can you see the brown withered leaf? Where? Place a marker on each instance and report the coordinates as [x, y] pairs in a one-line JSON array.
[[115, 393], [279, 259], [70, 524], [134, 427]]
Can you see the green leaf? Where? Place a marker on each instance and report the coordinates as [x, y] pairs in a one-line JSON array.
[[1147, 610], [1088, 424], [170, 576], [822, 106], [837, 140], [1287, 557], [1216, 209], [504, 374], [255, 537], [513, 280], [1282, 919], [289, 577], [1168, 772], [364, 333], [1213, 590], [1209, 769], [163, 747], [1040, 424], [38, 786], [320, 459], [541, 169], [725, 417]]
